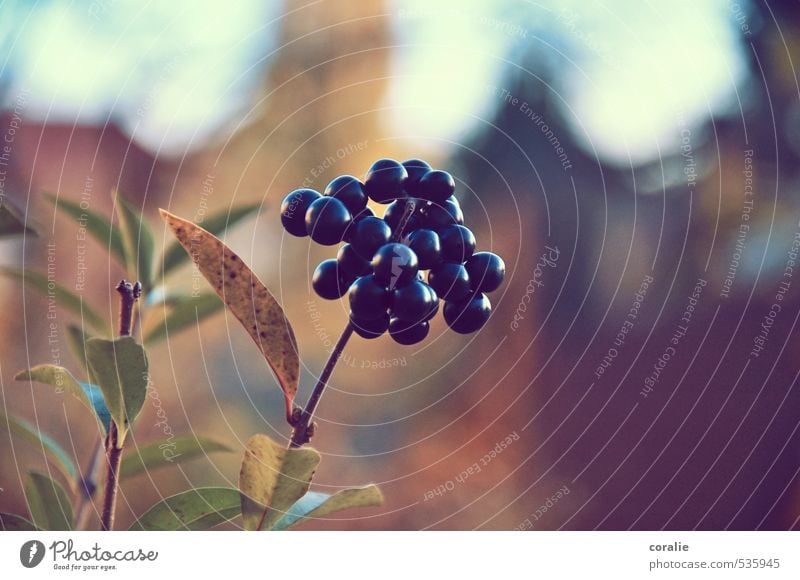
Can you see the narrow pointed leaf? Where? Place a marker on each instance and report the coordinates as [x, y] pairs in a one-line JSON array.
[[215, 224], [247, 298], [165, 452], [48, 503], [318, 505], [187, 312], [76, 339], [57, 454], [97, 225], [15, 523], [274, 477], [138, 241], [59, 295], [197, 509], [62, 379], [120, 368], [12, 223]]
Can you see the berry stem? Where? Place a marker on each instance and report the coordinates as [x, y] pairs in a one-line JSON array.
[[303, 426], [129, 294]]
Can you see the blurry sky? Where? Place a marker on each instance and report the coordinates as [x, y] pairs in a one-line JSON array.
[[172, 74]]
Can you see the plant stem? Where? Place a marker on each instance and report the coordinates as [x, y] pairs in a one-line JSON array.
[[128, 293], [87, 486], [304, 427]]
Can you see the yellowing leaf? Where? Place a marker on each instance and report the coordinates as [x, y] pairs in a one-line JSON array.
[[247, 298], [275, 477]]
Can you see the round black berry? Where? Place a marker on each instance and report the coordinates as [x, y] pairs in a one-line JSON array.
[[329, 282], [326, 221], [450, 281], [350, 263], [412, 303], [363, 214], [407, 334], [468, 315], [486, 271], [434, 302], [395, 265], [425, 244], [458, 244], [370, 327], [394, 213], [415, 168], [293, 210], [368, 298], [385, 181], [368, 235], [350, 191], [436, 186], [439, 216]]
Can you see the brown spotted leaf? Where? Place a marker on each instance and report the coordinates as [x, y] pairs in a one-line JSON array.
[[247, 298]]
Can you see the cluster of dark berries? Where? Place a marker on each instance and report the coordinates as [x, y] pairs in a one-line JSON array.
[[382, 261]]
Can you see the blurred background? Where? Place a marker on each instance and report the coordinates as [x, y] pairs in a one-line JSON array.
[[636, 165]]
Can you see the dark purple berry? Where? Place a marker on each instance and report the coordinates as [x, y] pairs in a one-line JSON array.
[[407, 334], [458, 244], [468, 315], [436, 186], [329, 282], [385, 181], [350, 263], [368, 235], [370, 327], [293, 211], [425, 244], [439, 216], [486, 271], [368, 299], [395, 265], [450, 281], [326, 221], [415, 168], [412, 303], [435, 303], [363, 214], [350, 191], [394, 213]]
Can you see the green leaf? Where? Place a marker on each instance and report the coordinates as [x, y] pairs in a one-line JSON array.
[[138, 241], [275, 477], [247, 298], [120, 368], [197, 509], [215, 223], [186, 312], [97, 225], [318, 505], [11, 221], [50, 446], [61, 378], [58, 295], [76, 339], [48, 503], [15, 523], [168, 451]]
